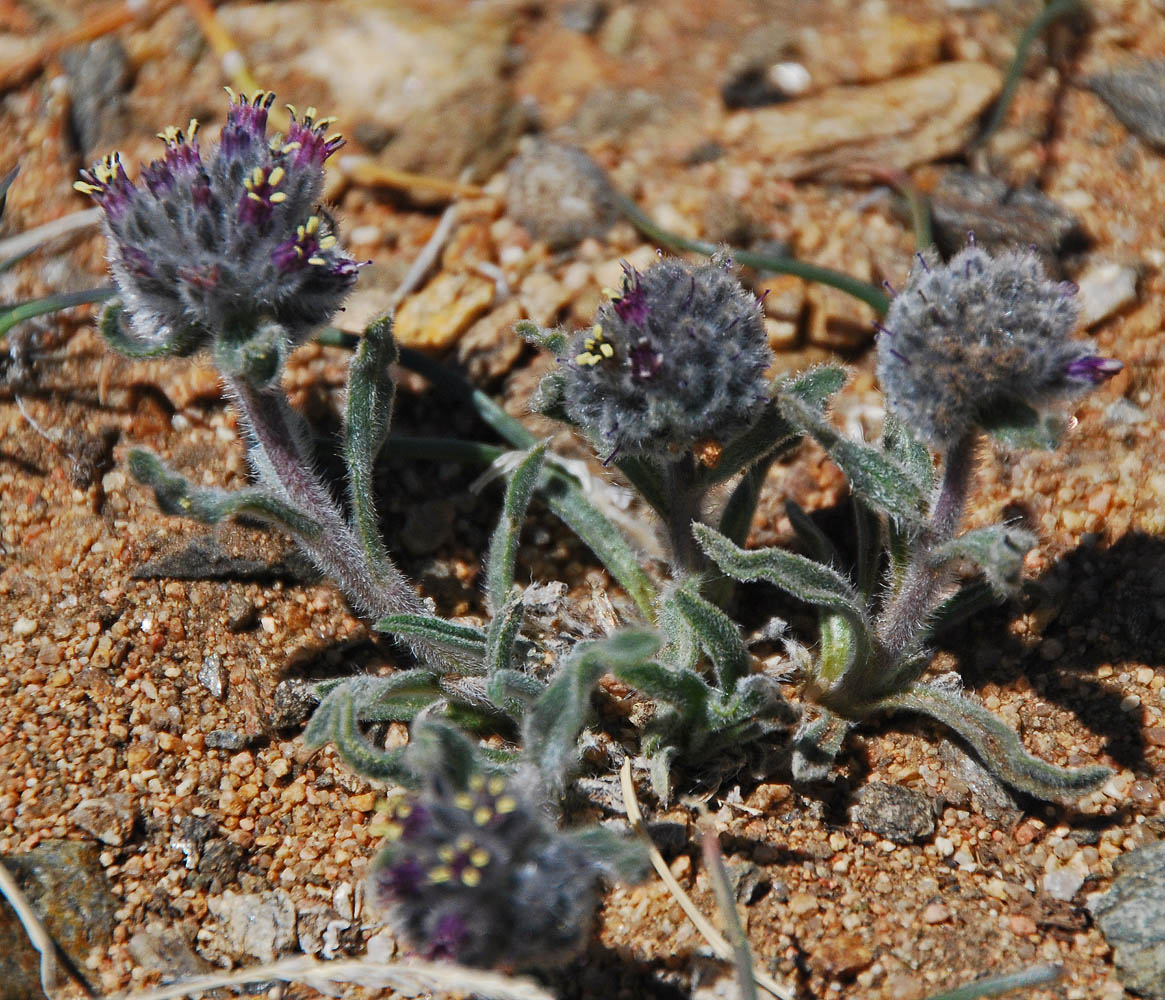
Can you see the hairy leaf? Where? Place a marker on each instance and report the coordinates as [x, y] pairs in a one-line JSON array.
[[553, 340], [503, 546], [997, 550], [502, 636], [812, 537], [335, 721], [913, 456], [717, 633], [998, 747], [114, 333], [437, 632], [687, 692]]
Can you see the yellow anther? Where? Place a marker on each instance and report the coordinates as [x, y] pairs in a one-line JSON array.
[[299, 252], [479, 858], [310, 113], [471, 877], [257, 175], [318, 261], [230, 94], [335, 137], [496, 785], [253, 196], [312, 224], [403, 810], [611, 293], [279, 197], [291, 109], [506, 804], [442, 873], [325, 122], [389, 831], [291, 147], [85, 188], [276, 176], [598, 331], [192, 128], [185, 503], [327, 242], [476, 782], [463, 800], [171, 133], [446, 853], [606, 350], [464, 843], [482, 815]]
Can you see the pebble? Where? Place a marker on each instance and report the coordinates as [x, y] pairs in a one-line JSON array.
[[109, 818], [435, 317], [899, 123], [226, 739], [1131, 916], [212, 675], [23, 627], [560, 195], [1062, 882], [936, 913], [260, 924], [895, 812], [1136, 95], [164, 949], [1105, 288]]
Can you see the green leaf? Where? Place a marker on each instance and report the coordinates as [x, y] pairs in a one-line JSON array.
[[909, 452], [682, 649], [1017, 425], [368, 415], [503, 546], [553, 725], [816, 746], [812, 537], [660, 756], [718, 635], [754, 698], [804, 579], [439, 751], [553, 341], [620, 856], [395, 698], [253, 355], [997, 550], [177, 495], [688, 693], [335, 721], [437, 632], [996, 986], [868, 532], [502, 636], [997, 746], [514, 692], [877, 477]]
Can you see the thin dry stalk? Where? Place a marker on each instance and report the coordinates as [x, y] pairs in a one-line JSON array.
[[715, 939]]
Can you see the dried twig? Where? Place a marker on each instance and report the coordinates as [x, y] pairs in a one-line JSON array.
[[362, 170], [715, 939]]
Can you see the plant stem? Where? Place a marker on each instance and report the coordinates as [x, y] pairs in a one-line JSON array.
[[684, 501], [914, 600], [18, 313]]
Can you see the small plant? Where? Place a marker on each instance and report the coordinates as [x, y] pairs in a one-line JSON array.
[[978, 344]]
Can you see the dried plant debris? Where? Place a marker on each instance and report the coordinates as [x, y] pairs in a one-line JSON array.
[[1136, 95]]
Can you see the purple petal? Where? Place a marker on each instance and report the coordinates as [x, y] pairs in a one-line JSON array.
[[1093, 369]]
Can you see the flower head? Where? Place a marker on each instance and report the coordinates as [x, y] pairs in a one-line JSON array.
[[202, 248], [676, 357], [970, 338], [478, 875]]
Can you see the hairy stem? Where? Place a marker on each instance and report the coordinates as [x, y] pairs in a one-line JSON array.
[[684, 502], [914, 600]]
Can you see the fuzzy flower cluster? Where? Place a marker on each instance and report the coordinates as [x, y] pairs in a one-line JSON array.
[[977, 334], [676, 358], [202, 247], [479, 876]]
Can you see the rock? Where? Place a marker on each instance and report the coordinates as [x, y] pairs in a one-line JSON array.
[[259, 924], [560, 194], [99, 75], [165, 949], [294, 700], [489, 348], [241, 613], [65, 884], [895, 812], [226, 739], [1136, 95], [323, 933], [208, 558], [1106, 287], [110, 818], [435, 317], [213, 676], [970, 785], [1131, 916], [899, 123], [611, 115], [1063, 882], [841, 956], [1000, 216]]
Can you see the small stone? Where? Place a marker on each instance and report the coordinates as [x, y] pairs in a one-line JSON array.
[[240, 612], [560, 195], [936, 913], [110, 818], [213, 676], [435, 317], [490, 348], [226, 739], [1063, 882], [1136, 95], [1021, 924], [23, 627], [363, 803], [260, 924], [323, 933], [841, 956], [1106, 288], [801, 903], [895, 812], [164, 949], [293, 700]]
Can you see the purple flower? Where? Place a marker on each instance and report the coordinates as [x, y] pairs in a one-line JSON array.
[[209, 247]]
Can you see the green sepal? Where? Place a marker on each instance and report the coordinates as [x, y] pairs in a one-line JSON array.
[[553, 724], [177, 495], [335, 721], [717, 633], [397, 697], [1017, 425], [620, 856], [503, 546], [113, 331], [997, 550], [254, 356], [553, 340], [367, 418], [437, 632], [502, 636], [997, 746], [877, 477]]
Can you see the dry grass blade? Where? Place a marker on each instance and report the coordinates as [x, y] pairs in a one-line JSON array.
[[715, 939], [361, 170], [38, 934], [229, 54], [21, 244], [404, 976]]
